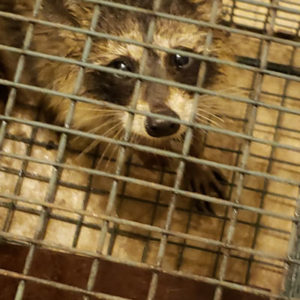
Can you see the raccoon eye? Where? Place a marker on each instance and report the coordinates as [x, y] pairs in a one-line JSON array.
[[122, 65], [181, 62]]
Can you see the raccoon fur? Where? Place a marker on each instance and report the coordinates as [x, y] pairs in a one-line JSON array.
[[98, 85]]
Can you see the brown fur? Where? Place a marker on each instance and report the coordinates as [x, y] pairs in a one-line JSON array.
[[61, 77]]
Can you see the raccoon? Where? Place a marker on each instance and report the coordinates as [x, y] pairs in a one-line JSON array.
[[156, 98]]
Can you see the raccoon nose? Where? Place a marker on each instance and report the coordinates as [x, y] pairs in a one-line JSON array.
[[160, 128]]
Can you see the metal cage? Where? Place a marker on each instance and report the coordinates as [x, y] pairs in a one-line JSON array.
[[60, 234]]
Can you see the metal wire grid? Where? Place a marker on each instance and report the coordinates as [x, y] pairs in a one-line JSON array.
[[256, 12], [107, 217]]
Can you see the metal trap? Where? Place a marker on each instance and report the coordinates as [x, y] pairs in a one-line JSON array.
[[75, 225]]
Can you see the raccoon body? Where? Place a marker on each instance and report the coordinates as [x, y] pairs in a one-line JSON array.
[[153, 97]]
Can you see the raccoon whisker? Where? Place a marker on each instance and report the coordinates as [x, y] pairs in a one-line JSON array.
[[103, 120], [108, 159], [103, 155], [204, 112], [104, 115], [208, 120], [211, 109], [109, 130], [108, 145], [107, 123], [210, 117], [86, 150], [96, 142], [106, 149], [97, 128], [115, 147], [102, 110]]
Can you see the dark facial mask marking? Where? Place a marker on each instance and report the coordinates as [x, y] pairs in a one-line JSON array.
[[185, 69], [112, 87]]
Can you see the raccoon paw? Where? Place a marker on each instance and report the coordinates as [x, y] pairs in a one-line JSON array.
[[208, 181]]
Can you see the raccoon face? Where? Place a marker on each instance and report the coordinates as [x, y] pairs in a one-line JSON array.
[[114, 88], [153, 97]]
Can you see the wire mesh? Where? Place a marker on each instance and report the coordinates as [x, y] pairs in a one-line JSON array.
[[116, 211]]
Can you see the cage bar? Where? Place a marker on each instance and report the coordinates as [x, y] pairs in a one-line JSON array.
[[167, 253]]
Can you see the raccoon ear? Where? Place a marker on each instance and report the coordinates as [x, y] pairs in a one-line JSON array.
[[57, 11]]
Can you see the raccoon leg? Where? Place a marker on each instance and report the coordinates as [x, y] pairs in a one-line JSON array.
[[205, 180]]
